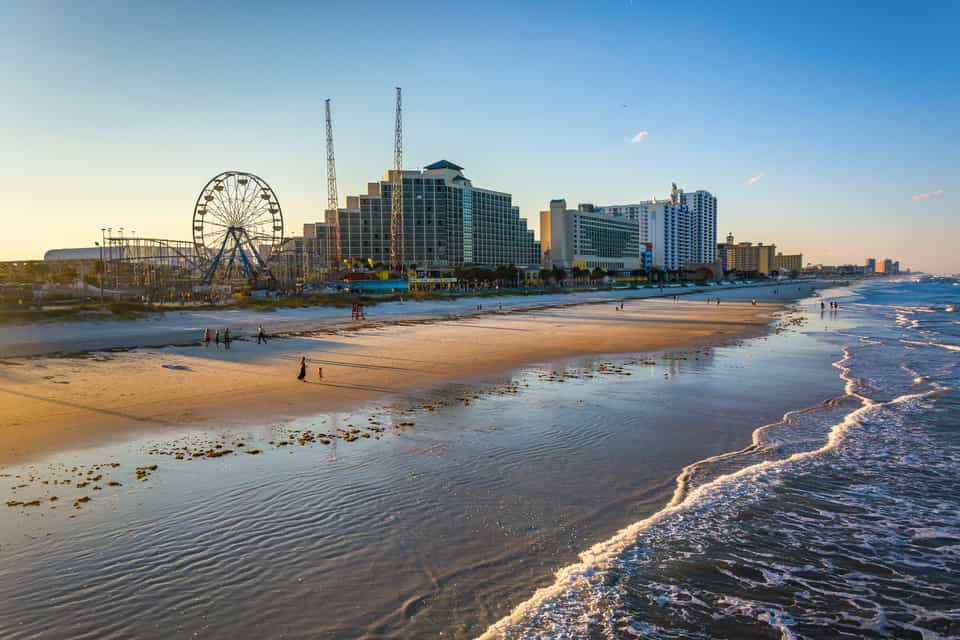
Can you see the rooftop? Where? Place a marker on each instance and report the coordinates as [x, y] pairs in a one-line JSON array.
[[444, 164]]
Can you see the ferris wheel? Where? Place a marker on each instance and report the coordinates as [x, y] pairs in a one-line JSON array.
[[237, 223]]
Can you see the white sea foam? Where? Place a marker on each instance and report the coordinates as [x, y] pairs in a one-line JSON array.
[[779, 620], [949, 347]]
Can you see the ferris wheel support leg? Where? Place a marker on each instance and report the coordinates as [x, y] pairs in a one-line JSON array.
[[245, 262], [233, 257], [212, 268], [261, 263]]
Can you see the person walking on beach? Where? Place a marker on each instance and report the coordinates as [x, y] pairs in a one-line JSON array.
[[216, 338], [303, 370], [226, 337], [206, 337], [261, 335], [821, 306]]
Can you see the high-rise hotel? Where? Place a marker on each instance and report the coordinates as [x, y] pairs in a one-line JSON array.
[[447, 222], [679, 231], [682, 229]]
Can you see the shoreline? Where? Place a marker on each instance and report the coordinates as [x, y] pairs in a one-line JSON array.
[[182, 327], [517, 492], [59, 404]]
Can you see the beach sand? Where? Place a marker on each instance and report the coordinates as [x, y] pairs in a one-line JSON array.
[[488, 453], [54, 404]]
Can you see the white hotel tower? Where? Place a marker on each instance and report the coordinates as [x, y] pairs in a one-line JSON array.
[[682, 229]]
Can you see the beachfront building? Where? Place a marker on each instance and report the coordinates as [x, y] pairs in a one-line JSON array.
[[788, 263], [588, 239], [664, 224], [888, 266], [870, 265], [447, 222], [681, 228], [725, 253], [702, 207], [747, 257]]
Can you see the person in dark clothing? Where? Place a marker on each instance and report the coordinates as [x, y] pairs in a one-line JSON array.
[[303, 369], [261, 335]]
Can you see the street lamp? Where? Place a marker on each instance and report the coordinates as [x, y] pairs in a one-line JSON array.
[[100, 270], [103, 242]]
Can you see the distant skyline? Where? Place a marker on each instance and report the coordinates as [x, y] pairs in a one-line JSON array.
[[829, 129]]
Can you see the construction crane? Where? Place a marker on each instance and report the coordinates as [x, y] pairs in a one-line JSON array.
[[396, 206], [336, 252]]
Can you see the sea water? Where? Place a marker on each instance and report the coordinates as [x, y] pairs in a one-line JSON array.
[[841, 521]]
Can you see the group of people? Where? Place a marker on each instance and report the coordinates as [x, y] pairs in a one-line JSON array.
[[217, 339], [226, 338], [833, 306], [620, 306], [358, 313]]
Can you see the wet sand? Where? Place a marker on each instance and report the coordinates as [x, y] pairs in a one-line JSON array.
[[58, 404], [463, 500]]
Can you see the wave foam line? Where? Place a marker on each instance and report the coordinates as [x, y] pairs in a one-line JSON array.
[[597, 560], [950, 347]]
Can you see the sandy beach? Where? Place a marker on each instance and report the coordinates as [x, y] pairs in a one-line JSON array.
[[440, 473], [52, 404]]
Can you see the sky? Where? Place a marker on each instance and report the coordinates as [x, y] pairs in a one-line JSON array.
[[831, 129]]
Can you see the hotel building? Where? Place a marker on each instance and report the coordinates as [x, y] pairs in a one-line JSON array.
[[702, 206], [747, 257], [586, 238], [447, 222], [787, 263], [888, 266], [682, 229]]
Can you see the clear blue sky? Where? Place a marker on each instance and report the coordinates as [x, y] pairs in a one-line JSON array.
[[827, 128]]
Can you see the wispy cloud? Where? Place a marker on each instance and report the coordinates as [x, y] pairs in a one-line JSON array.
[[752, 180], [640, 137], [928, 195]]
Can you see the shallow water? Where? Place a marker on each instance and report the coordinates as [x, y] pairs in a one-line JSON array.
[[440, 526], [841, 521]]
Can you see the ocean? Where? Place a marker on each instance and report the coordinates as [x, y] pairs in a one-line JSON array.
[[840, 521], [810, 479]]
